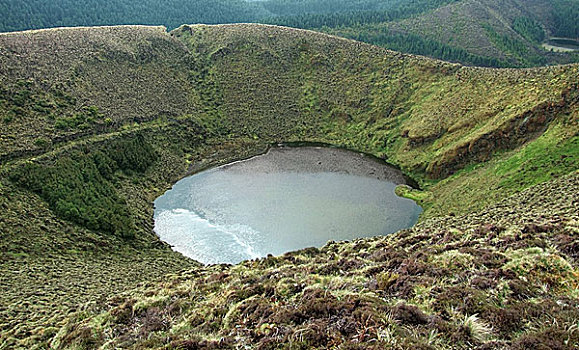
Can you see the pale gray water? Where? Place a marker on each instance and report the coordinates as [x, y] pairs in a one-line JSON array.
[[287, 199]]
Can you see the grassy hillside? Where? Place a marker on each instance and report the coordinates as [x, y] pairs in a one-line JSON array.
[[488, 32], [482, 33], [97, 122]]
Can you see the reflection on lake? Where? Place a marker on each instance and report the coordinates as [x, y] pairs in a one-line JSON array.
[[287, 199]]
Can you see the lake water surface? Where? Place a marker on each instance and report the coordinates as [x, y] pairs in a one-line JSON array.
[[287, 199]]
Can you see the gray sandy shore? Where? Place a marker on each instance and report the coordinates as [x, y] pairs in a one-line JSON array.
[[318, 159]]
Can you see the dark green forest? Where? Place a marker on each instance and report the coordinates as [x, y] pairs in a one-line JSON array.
[[515, 48], [394, 11], [529, 29], [33, 14], [416, 44], [566, 18]]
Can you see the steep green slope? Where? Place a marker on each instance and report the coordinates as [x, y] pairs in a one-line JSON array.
[[94, 98]]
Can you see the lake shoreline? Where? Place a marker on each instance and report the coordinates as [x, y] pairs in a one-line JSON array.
[[286, 199], [266, 148]]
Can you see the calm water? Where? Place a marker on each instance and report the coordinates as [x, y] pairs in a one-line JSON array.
[[287, 199]]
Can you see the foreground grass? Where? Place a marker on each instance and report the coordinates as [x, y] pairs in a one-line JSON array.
[[505, 277]]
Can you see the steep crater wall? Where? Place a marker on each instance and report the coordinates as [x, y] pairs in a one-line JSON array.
[[264, 84]]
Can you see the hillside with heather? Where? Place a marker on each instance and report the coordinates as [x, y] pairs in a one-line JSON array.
[[97, 122]]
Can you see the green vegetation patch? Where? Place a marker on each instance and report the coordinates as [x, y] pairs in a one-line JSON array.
[[82, 120], [540, 161], [80, 186], [529, 29], [514, 48]]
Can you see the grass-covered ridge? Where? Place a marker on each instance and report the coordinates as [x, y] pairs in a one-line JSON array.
[[137, 108], [490, 33]]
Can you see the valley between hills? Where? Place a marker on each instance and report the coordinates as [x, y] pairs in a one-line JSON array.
[[99, 121]]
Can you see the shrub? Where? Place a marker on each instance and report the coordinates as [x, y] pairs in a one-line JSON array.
[[80, 187], [41, 142], [7, 118]]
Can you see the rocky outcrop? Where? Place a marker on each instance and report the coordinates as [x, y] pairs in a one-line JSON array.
[[511, 134]]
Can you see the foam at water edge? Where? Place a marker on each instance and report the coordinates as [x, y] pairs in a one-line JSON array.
[[237, 241]]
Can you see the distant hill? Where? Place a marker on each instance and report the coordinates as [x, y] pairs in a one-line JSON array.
[[483, 33], [36, 14], [510, 31], [486, 32]]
